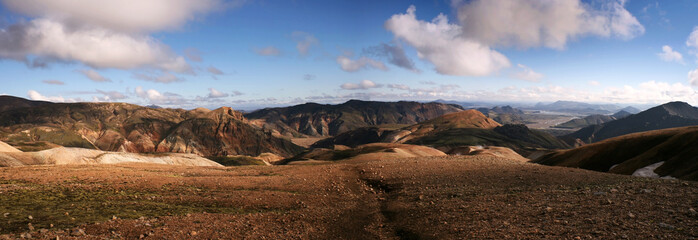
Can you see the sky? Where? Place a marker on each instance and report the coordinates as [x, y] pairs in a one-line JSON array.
[[252, 54]]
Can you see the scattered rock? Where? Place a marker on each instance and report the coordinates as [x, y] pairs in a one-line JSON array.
[[30, 217], [599, 193], [645, 191], [30, 227], [692, 212], [613, 190], [193, 233], [548, 209], [631, 215], [5, 214], [26, 235]]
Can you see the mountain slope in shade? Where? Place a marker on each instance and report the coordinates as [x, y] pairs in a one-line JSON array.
[[312, 119], [504, 114], [131, 128], [586, 121], [672, 151], [669, 115], [10, 102], [578, 107], [466, 128], [621, 114]]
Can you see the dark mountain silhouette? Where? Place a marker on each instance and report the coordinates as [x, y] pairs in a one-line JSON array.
[[312, 119], [10, 102]]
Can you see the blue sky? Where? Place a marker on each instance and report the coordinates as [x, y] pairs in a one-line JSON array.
[[250, 54]]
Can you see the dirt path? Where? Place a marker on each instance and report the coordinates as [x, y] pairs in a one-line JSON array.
[[428, 198]]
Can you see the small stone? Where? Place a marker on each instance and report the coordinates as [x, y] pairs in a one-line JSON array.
[[193, 233], [26, 235], [613, 190], [667, 226], [43, 231], [645, 191], [113, 218], [6, 214], [30, 227], [77, 232], [599, 193], [692, 212], [631, 215], [548, 209], [30, 217]]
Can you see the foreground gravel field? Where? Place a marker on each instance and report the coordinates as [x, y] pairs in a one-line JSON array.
[[421, 198]]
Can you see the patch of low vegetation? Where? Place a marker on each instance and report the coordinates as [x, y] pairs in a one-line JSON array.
[[54, 206], [237, 160], [31, 146]]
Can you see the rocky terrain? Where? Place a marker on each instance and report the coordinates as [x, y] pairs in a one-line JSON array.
[[312, 119], [669, 153], [465, 128], [464, 197], [131, 128]]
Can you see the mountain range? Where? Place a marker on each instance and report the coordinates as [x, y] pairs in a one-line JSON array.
[[312, 119]]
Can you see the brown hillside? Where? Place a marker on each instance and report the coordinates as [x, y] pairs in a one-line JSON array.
[[675, 147]]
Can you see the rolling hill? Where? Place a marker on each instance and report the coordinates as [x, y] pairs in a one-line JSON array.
[[312, 119], [669, 115], [465, 128], [659, 153], [586, 121]]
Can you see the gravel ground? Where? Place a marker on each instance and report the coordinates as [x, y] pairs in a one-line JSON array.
[[467, 197]]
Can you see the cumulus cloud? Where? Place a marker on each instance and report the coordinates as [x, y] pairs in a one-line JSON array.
[[36, 96], [93, 75], [101, 33], [96, 47], [533, 23], [304, 41], [349, 65], [527, 74], [155, 97], [363, 85], [53, 82], [395, 55], [693, 39], [123, 15], [213, 93], [442, 44], [164, 77], [269, 51], [669, 55], [693, 77]]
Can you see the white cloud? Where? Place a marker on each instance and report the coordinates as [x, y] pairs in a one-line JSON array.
[[122, 15], [527, 74], [594, 83], [155, 97], [164, 77], [93, 75], [365, 84], [669, 55], [93, 46], [693, 77], [533, 23], [693, 39], [269, 51], [34, 95], [350, 65], [304, 41], [213, 93], [111, 95], [442, 44], [193, 54]]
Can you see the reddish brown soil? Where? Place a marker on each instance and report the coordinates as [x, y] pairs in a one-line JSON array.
[[423, 198]]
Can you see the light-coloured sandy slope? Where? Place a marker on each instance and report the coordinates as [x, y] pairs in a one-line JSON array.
[[71, 156], [4, 147], [501, 152]]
